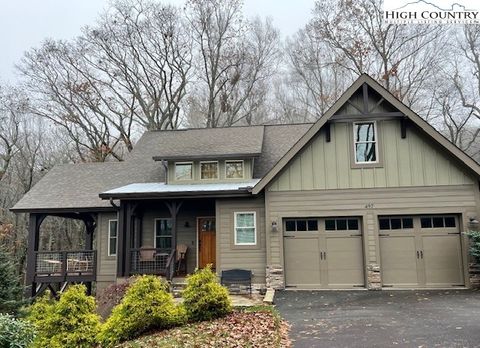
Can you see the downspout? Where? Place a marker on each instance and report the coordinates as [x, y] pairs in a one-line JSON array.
[[112, 203]]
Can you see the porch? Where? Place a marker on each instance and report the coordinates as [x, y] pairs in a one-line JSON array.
[[165, 237]]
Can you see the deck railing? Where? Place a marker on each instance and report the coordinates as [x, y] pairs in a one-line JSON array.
[[65, 265], [152, 261]]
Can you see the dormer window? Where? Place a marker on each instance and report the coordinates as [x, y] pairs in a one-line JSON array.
[[234, 169], [365, 142], [183, 171], [209, 170]]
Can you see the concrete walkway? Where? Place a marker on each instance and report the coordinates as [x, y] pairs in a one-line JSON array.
[[382, 318]]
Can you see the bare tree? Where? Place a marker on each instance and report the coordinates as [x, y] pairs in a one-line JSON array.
[[317, 75], [128, 72], [401, 57], [236, 59], [10, 110]]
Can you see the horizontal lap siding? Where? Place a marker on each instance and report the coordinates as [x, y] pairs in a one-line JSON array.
[[106, 265], [368, 204], [246, 257]]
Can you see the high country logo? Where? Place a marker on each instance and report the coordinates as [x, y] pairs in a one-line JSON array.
[[426, 12]]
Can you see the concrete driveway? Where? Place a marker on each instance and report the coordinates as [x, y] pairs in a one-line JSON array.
[[382, 318]]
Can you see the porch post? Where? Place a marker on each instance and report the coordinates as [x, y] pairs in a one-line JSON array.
[[121, 240], [35, 220], [174, 208], [90, 225], [129, 226]]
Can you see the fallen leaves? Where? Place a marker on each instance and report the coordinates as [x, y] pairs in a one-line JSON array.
[[261, 328]]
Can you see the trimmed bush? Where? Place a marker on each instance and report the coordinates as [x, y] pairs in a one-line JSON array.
[[15, 333], [71, 321], [204, 298], [147, 306]]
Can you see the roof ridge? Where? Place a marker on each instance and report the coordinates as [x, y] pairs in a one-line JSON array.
[[227, 127]]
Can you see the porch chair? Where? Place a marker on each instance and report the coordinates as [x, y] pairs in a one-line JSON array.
[[147, 253]]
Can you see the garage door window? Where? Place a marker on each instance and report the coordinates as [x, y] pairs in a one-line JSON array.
[[245, 229], [437, 221], [301, 225], [395, 223], [341, 224]]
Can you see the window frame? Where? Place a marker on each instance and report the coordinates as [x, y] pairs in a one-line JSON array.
[[205, 162], [235, 214], [175, 171], [155, 231], [376, 142], [237, 161], [295, 221], [110, 237]]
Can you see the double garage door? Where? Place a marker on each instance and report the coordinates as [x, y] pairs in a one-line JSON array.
[[420, 251], [323, 253], [415, 252]]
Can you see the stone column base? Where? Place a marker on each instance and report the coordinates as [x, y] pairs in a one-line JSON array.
[[374, 280], [474, 272], [274, 277]]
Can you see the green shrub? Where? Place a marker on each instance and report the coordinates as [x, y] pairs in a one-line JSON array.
[[15, 333], [475, 245], [204, 298], [147, 306], [69, 322]]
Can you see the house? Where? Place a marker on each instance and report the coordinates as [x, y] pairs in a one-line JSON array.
[[369, 196]]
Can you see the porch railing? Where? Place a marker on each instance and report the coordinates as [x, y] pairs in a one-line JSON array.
[[65, 265], [152, 261]]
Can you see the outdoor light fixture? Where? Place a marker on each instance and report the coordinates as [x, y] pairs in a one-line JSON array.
[[187, 224], [274, 226]]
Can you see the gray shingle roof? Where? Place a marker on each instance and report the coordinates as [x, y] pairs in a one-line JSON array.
[[198, 143], [77, 186]]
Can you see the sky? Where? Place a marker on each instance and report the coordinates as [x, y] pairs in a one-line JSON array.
[[26, 23]]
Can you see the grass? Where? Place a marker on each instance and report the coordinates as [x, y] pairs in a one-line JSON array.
[[259, 326]]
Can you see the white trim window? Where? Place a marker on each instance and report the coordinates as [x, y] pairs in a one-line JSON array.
[[234, 169], [209, 170], [365, 144], [245, 228], [112, 237], [163, 234], [183, 171]]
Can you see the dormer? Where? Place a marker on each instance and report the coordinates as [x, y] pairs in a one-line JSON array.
[[216, 155]]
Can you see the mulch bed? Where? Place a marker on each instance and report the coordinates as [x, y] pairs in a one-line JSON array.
[[247, 328]]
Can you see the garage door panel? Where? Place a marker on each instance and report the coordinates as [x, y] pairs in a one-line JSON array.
[[302, 262], [344, 262], [443, 260], [398, 260], [421, 251]]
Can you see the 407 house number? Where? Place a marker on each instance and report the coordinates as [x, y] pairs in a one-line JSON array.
[[369, 206]]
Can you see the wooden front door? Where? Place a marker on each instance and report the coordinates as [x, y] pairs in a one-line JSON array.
[[206, 242]]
